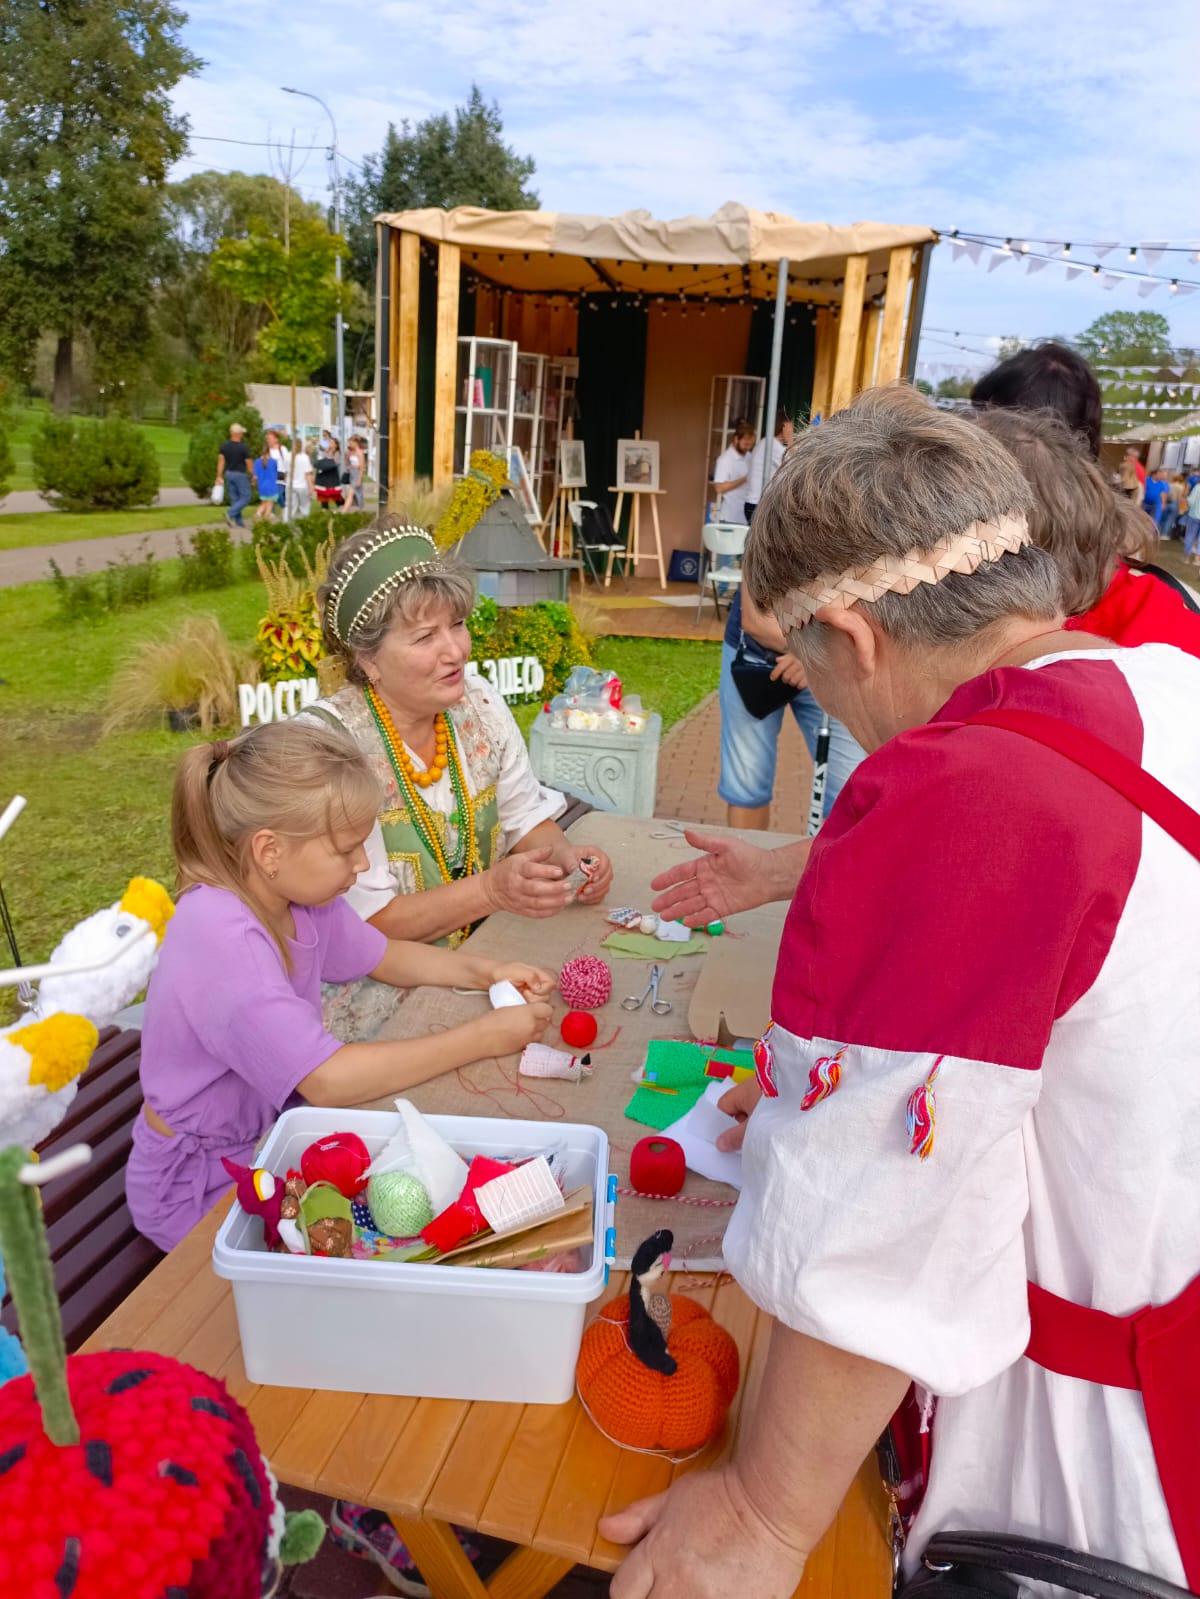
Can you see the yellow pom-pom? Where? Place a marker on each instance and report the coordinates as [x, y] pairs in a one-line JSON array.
[[149, 900], [60, 1046]]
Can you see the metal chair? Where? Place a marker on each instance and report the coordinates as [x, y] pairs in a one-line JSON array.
[[590, 547], [719, 539]]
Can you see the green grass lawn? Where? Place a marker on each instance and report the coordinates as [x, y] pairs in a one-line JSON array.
[[98, 807], [170, 442], [20, 530]]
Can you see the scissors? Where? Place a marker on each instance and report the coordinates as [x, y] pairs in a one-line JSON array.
[[660, 1007], [670, 830]]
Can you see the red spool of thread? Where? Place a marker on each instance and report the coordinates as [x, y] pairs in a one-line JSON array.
[[341, 1159], [586, 982], [578, 1029], [657, 1166]]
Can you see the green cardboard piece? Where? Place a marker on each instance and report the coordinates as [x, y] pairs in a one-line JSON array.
[[677, 1064], [645, 947]]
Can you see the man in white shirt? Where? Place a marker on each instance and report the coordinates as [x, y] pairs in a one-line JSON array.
[[729, 477], [785, 432]]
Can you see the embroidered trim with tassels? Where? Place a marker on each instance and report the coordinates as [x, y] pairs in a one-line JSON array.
[[920, 1115], [823, 1079], [764, 1064]]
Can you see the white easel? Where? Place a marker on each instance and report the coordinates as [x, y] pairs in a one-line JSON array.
[[634, 553]]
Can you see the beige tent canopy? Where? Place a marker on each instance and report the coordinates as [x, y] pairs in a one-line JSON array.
[[532, 273]]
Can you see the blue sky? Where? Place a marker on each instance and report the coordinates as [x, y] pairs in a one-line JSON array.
[[1065, 119]]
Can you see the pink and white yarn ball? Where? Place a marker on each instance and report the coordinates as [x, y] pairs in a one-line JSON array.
[[586, 982]]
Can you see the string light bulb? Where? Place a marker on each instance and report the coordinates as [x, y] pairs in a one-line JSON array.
[[1133, 252]]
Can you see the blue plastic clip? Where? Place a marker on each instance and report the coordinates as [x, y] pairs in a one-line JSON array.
[[610, 1246], [612, 1187]]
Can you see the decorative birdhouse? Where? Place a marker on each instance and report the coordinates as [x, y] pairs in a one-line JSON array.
[[512, 567]]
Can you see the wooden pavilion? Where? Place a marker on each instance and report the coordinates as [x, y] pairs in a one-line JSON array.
[[652, 311]]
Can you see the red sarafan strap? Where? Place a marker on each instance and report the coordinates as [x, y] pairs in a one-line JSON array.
[[1129, 779]]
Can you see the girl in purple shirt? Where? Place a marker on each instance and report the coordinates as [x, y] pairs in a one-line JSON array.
[[268, 831]]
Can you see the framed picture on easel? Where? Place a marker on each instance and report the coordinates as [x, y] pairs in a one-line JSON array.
[[637, 465], [572, 464]]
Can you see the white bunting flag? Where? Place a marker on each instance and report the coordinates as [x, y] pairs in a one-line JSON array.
[[1076, 272], [1101, 250], [1147, 288], [957, 249], [1034, 264], [1110, 280], [1186, 288], [974, 250], [999, 257], [1152, 254]]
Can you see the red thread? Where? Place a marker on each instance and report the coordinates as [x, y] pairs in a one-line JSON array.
[[586, 982]]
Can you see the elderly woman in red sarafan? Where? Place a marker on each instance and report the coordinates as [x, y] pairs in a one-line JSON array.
[[972, 1164]]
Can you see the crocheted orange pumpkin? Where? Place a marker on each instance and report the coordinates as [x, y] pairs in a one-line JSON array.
[[655, 1370]]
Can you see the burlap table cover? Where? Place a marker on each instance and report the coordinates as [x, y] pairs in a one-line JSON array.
[[494, 1088]]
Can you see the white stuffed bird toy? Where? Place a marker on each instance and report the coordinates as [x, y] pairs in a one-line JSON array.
[[42, 1055]]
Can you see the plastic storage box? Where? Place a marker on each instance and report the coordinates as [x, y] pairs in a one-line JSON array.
[[394, 1327]]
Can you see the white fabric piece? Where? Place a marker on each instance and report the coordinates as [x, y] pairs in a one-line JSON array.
[[424, 1154], [520, 1197], [673, 932], [754, 479], [1038, 1175], [697, 1134], [504, 995]]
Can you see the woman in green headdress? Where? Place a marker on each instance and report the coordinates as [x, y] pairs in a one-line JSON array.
[[465, 827]]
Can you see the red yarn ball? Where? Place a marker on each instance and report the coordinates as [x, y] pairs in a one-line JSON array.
[[657, 1166], [341, 1159], [586, 982], [578, 1029]]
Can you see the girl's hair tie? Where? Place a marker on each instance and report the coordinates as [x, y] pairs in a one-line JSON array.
[[219, 753]]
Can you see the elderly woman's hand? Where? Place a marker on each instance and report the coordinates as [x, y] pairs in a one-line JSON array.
[[528, 883], [738, 1102], [704, 1539], [598, 884]]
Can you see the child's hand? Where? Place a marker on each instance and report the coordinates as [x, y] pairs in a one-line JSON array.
[[508, 1031], [531, 982]]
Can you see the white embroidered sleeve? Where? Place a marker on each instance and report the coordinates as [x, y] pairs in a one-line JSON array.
[[522, 801], [843, 1234]]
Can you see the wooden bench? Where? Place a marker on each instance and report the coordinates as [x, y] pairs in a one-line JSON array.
[[98, 1254]]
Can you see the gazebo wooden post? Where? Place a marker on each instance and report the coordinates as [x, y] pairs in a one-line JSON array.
[[823, 366], [406, 301], [895, 305], [916, 311], [845, 364], [445, 363], [869, 353]]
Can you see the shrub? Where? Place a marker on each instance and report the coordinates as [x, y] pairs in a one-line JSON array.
[[289, 640], [121, 585], [6, 459], [194, 669], [200, 463], [299, 541], [210, 564], [471, 496], [94, 466], [549, 631], [419, 503]]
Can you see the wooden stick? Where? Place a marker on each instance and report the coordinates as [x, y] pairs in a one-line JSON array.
[[446, 363], [847, 345], [406, 297], [891, 344]]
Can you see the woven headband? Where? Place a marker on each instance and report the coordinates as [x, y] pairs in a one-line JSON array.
[[900, 574], [392, 556]]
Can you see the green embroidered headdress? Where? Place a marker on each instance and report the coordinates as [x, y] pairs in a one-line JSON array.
[[392, 556]]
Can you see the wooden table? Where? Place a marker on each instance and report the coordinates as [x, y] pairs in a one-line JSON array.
[[537, 1476]]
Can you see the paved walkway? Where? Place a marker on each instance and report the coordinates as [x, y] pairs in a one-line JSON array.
[[31, 500], [689, 765], [31, 565]]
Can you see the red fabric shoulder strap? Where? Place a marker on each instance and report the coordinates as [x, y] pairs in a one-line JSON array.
[[1150, 796]]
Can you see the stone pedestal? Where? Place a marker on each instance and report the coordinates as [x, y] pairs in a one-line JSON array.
[[612, 771]]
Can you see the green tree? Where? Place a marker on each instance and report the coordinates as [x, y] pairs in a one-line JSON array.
[[1126, 338], [292, 279], [955, 388], [1010, 345], [214, 325], [87, 133], [923, 386], [441, 161]]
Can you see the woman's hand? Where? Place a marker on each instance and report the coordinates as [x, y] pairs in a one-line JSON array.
[[738, 1102], [598, 884], [527, 883], [729, 876], [531, 982], [507, 1031], [703, 1539]]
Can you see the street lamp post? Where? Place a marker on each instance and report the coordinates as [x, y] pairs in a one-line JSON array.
[[337, 267]]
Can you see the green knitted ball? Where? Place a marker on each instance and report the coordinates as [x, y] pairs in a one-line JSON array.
[[399, 1204]]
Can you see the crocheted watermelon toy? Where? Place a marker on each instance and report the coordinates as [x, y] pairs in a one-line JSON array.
[[124, 1474]]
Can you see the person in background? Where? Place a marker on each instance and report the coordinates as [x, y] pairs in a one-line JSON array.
[[1191, 524], [1179, 500], [731, 474], [356, 467], [1048, 377], [302, 482], [233, 469], [1128, 481], [761, 462], [329, 475], [1157, 502], [266, 476]]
